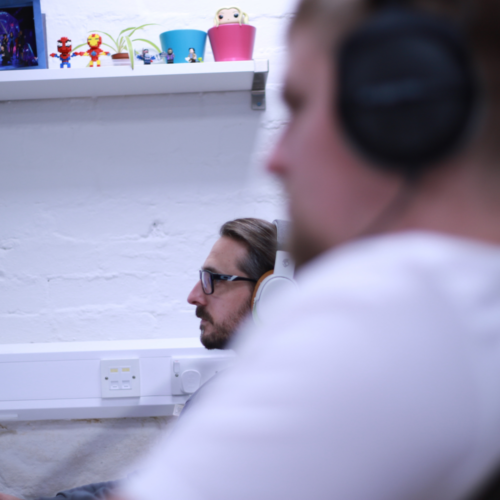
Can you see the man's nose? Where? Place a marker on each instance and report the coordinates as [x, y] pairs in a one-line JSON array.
[[197, 297]]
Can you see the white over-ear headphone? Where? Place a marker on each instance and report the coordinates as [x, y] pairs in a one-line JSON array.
[[274, 282]]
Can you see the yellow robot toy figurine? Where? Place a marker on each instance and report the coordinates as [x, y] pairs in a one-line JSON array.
[[94, 52]]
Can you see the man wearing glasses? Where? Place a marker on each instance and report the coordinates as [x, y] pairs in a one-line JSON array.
[[245, 251]]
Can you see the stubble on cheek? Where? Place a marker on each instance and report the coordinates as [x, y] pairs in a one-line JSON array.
[[220, 334]]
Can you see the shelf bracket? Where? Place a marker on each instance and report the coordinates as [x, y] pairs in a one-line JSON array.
[[258, 92], [259, 100]]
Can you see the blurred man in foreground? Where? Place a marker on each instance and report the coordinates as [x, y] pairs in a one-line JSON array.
[[380, 380]]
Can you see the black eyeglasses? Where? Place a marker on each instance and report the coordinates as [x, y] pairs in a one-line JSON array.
[[207, 279]]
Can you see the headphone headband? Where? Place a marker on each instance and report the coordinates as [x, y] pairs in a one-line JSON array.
[[283, 228]]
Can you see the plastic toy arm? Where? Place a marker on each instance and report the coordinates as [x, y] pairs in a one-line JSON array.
[[106, 53], [55, 55], [77, 54]]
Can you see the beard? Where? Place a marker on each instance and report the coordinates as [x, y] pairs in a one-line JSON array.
[[218, 335]]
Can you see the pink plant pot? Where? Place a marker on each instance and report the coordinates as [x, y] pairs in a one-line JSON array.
[[232, 42]]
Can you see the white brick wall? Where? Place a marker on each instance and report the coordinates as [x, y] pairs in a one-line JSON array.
[[107, 209]]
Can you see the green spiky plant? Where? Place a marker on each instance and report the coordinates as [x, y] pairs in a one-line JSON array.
[[123, 42]]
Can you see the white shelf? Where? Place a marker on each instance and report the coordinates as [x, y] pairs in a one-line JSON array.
[[122, 80]]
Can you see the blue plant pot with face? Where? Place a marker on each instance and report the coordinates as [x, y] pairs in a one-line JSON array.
[[186, 45]]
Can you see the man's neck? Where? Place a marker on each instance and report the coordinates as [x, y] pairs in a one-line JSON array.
[[461, 199]]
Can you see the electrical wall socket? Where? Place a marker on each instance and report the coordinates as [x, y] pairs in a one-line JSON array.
[[120, 378], [191, 372], [56, 381]]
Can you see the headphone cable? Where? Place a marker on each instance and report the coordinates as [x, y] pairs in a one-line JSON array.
[[411, 178]]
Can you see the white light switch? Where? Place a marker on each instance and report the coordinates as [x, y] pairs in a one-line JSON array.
[[120, 378]]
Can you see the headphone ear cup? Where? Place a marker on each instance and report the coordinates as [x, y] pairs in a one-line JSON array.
[[407, 89], [269, 286], [276, 281], [258, 285]]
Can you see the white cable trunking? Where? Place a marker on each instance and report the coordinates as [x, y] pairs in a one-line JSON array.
[[109, 379]]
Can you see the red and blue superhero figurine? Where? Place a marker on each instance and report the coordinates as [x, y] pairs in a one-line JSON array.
[[64, 48], [94, 52]]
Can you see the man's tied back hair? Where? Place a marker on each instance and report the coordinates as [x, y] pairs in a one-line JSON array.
[[479, 21], [259, 237]]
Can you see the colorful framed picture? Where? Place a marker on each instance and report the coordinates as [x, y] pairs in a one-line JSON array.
[[22, 40]]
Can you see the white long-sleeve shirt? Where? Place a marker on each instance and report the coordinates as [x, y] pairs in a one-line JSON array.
[[378, 380]]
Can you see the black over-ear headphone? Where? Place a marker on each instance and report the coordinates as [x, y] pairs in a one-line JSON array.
[[407, 89]]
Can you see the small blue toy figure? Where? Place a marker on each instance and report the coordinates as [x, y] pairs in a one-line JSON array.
[[64, 47], [146, 57]]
